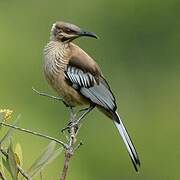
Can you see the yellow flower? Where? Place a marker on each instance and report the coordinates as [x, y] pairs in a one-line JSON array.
[[7, 113]]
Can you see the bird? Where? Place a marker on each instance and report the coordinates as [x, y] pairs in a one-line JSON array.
[[78, 79]]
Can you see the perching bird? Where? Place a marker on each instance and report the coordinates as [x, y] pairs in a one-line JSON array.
[[77, 78]]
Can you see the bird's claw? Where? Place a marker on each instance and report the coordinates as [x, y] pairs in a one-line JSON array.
[[69, 126], [65, 128]]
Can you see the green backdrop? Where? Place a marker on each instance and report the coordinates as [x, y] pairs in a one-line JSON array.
[[139, 54]]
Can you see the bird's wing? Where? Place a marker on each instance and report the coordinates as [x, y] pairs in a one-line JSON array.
[[97, 90], [84, 76], [84, 73], [90, 83]]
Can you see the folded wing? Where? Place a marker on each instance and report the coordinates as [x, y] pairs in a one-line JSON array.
[[94, 88]]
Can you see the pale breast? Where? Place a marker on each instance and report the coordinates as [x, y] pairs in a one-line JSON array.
[[56, 58], [55, 61]]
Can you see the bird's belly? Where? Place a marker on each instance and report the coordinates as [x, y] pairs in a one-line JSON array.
[[64, 90]]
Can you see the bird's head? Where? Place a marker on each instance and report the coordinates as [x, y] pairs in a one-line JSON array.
[[66, 32]]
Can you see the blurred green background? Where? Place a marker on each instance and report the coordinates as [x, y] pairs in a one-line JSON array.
[[139, 54]]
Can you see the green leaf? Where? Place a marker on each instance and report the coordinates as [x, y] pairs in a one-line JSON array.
[[12, 163], [6, 165], [48, 155], [18, 152], [54, 155], [2, 176], [9, 133], [51, 158], [44, 155]]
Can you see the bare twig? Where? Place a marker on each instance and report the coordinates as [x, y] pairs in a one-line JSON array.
[[35, 133], [68, 156], [73, 128], [20, 169], [23, 173], [47, 95], [70, 151]]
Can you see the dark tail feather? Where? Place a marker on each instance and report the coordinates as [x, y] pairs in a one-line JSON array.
[[127, 140]]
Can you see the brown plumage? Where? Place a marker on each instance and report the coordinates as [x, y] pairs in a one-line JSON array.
[[76, 77]]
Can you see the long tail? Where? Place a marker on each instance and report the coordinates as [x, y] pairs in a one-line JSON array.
[[127, 140]]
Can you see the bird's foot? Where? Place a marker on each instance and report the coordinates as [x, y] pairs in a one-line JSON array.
[[83, 110], [65, 104], [79, 145], [71, 125], [65, 128]]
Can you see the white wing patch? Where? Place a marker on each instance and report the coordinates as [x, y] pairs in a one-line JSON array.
[[80, 78], [98, 92]]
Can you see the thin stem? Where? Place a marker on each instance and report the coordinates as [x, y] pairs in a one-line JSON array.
[[70, 151], [47, 95], [69, 148], [35, 133], [66, 165], [72, 141], [23, 173]]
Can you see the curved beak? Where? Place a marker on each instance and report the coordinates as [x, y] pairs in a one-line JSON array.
[[88, 34]]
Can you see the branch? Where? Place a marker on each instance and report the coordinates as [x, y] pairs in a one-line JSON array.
[[73, 129], [47, 95], [23, 173], [35, 133], [72, 140]]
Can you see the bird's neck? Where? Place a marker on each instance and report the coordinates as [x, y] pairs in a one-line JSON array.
[[56, 57]]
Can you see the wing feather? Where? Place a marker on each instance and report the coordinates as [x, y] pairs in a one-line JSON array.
[[97, 91]]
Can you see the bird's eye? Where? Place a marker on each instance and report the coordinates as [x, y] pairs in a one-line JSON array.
[[68, 30]]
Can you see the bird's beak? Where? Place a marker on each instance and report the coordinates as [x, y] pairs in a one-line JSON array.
[[89, 34]]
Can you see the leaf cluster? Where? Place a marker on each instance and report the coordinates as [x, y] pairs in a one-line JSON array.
[[11, 157]]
